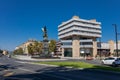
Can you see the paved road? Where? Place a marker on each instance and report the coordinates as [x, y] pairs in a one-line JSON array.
[[11, 69]]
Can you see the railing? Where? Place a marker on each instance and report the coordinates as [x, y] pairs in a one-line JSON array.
[[66, 46], [80, 34], [86, 40], [88, 46], [66, 40]]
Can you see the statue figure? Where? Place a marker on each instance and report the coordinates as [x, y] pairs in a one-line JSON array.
[[45, 36]]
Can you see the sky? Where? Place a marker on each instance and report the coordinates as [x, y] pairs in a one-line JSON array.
[[21, 20]]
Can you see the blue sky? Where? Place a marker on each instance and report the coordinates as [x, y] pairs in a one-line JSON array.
[[21, 20]]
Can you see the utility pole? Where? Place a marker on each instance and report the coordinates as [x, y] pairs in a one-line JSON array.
[[100, 47], [116, 37]]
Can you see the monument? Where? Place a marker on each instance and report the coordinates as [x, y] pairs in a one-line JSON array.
[[45, 50]]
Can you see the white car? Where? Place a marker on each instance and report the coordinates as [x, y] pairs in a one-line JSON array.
[[114, 61]]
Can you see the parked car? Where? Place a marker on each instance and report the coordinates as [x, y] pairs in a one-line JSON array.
[[114, 61]]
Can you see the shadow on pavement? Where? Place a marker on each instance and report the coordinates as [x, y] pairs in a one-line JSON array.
[[8, 66], [62, 73]]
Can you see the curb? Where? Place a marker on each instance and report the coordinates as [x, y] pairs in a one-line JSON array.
[[38, 59]]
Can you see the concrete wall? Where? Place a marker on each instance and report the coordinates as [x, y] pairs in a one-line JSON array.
[[94, 47], [111, 45], [76, 47]]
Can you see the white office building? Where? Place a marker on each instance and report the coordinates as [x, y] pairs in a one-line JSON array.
[[79, 37]]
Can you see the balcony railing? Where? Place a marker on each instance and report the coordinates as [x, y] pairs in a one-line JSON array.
[[80, 34], [80, 29], [84, 46], [86, 40], [66, 40], [66, 46]]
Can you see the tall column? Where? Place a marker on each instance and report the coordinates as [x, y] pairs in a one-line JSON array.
[[76, 47], [94, 47], [111, 45], [62, 52]]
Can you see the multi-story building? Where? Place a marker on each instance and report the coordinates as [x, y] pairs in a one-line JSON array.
[[58, 48], [24, 46], [79, 37]]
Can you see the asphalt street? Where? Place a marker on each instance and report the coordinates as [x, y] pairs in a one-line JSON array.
[[12, 69]]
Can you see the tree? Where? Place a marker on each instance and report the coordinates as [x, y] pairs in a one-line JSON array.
[[35, 48], [40, 46], [52, 46], [1, 51], [18, 51], [30, 49]]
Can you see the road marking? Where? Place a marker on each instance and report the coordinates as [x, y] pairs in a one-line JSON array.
[[8, 74], [27, 70], [20, 62], [43, 64], [1, 64], [5, 70], [30, 71], [46, 74]]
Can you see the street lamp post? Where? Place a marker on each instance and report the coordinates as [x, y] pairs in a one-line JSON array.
[[116, 37]]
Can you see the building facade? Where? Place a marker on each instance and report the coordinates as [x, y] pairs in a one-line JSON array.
[[58, 50], [79, 37], [108, 48], [24, 46]]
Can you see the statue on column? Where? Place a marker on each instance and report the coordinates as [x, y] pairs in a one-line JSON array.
[[45, 36], [45, 41]]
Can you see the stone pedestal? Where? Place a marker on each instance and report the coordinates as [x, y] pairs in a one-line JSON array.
[[45, 47]]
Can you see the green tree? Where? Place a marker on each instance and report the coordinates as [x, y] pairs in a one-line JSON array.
[[52, 46], [18, 51], [40, 46], [30, 49], [35, 48]]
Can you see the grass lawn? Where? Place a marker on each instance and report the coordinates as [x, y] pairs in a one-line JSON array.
[[81, 65]]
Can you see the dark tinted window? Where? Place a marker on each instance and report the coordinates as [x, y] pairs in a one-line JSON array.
[[109, 58]]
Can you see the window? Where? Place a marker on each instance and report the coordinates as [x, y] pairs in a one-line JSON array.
[[109, 58]]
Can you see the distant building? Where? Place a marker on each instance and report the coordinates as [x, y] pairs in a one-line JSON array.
[[24, 46], [58, 48], [79, 37], [108, 48], [5, 52]]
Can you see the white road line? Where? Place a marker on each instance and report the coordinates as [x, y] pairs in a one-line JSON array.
[[46, 74], [20, 62], [1, 64], [27, 70], [30, 72]]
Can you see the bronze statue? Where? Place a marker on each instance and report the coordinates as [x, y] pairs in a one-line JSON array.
[[45, 36]]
